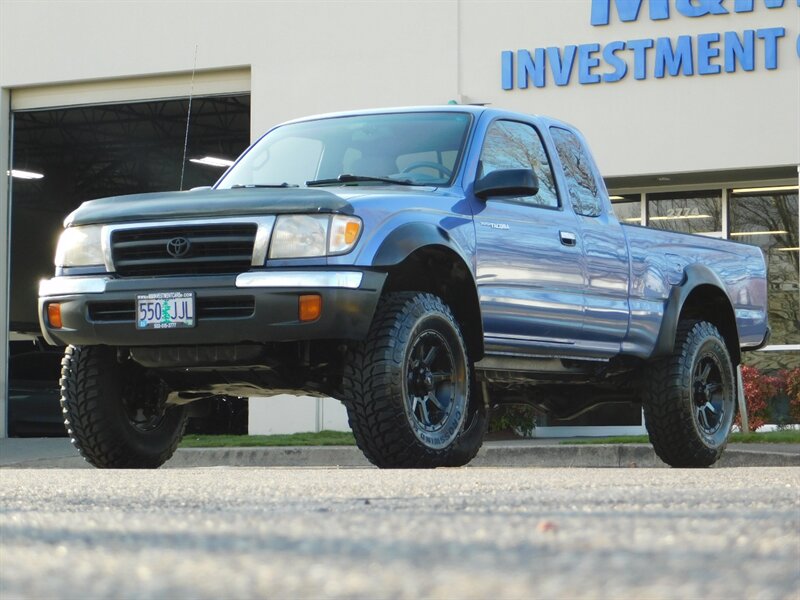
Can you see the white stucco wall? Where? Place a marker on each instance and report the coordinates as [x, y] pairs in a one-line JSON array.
[[292, 414], [319, 56]]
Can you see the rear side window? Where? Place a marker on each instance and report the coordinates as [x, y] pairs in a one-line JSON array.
[[584, 190], [515, 145]]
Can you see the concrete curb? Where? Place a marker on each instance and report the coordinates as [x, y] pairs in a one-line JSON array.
[[491, 455]]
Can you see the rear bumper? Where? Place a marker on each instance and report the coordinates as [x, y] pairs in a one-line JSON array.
[[257, 306]]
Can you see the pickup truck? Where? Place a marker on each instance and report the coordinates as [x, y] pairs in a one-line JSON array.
[[422, 265]]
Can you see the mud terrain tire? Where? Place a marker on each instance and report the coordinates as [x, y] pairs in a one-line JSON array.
[[407, 387], [102, 400], [691, 398]]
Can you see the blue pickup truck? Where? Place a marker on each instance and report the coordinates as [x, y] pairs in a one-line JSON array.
[[422, 265]]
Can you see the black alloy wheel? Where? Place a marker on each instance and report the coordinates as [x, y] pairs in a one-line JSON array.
[[114, 410], [407, 387], [690, 397]]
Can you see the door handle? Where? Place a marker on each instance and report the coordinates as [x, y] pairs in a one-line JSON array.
[[568, 238]]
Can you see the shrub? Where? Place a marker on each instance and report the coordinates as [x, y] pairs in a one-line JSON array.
[[519, 418], [791, 386], [758, 390]]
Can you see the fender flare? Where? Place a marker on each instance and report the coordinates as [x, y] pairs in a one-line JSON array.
[[410, 237], [695, 275]]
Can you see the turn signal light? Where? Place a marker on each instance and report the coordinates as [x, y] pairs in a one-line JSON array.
[[54, 315], [351, 232], [310, 307]]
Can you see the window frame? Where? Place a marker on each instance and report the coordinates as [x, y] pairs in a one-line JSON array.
[[595, 172], [516, 199]]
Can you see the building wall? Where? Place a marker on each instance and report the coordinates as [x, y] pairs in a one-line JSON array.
[[678, 124], [309, 57]]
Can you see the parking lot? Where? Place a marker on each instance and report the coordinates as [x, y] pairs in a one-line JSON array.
[[343, 533]]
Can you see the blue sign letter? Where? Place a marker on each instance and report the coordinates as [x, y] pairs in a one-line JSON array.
[[770, 37], [690, 8], [747, 5], [528, 68], [628, 10], [742, 51], [640, 48], [674, 60], [586, 62], [507, 69], [705, 53], [620, 67], [562, 69]]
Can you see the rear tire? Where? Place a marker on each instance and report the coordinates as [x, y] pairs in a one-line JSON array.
[[407, 387], [113, 412], [691, 398]]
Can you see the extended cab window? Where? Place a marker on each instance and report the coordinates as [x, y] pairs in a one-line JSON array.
[[515, 145], [584, 190]]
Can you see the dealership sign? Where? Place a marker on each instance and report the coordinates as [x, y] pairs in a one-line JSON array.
[[687, 55]]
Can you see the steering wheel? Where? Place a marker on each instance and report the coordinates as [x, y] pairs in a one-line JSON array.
[[429, 164]]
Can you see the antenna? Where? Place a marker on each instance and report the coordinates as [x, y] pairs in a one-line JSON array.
[[188, 118]]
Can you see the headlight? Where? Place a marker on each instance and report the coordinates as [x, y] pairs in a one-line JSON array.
[[305, 236], [80, 247]]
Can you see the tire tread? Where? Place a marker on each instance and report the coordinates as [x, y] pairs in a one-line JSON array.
[[668, 415], [371, 387], [87, 386]]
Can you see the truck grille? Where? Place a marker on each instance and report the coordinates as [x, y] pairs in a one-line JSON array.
[[183, 250]]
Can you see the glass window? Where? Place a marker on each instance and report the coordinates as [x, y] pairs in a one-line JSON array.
[[287, 160], [769, 221], [584, 190], [420, 147], [514, 145], [686, 212], [628, 208]]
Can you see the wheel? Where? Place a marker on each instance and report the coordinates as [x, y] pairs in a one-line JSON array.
[[407, 387], [428, 164], [114, 412], [691, 398]]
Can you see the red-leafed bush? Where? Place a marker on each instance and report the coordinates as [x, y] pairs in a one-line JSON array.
[[792, 387], [758, 390]]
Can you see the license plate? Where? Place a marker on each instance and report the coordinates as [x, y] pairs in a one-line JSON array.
[[165, 310]]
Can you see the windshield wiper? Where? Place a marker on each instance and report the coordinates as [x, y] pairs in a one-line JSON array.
[[347, 178], [239, 186]]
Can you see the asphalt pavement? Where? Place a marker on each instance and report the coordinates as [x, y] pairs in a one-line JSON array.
[[542, 453], [364, 533]]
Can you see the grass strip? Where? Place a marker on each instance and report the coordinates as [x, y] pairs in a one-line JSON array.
[[341, 438], [768, 437], [323, 438]]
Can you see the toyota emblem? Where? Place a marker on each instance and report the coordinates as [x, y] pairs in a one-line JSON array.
[[178, 247]]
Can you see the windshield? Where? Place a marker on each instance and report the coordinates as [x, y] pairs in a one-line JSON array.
[[417, 148]]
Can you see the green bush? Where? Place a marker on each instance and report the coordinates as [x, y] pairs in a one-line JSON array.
[[519, 418]]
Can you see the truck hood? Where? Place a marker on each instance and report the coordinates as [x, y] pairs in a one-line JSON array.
[[167, 206], [207, 203]]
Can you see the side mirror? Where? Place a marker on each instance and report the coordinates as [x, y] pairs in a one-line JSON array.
[[507, 182]]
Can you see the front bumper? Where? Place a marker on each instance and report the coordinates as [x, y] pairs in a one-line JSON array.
[[257, 306]]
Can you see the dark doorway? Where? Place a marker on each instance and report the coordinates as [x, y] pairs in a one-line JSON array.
[[83, 153], [98, 151]]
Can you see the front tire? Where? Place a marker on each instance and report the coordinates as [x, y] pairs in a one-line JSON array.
[[113, 411], [407, 387], [691, 398]]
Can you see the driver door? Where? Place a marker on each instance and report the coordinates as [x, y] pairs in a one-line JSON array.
[[530, 264]]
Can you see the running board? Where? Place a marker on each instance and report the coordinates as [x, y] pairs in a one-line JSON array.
[[517, 369]]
